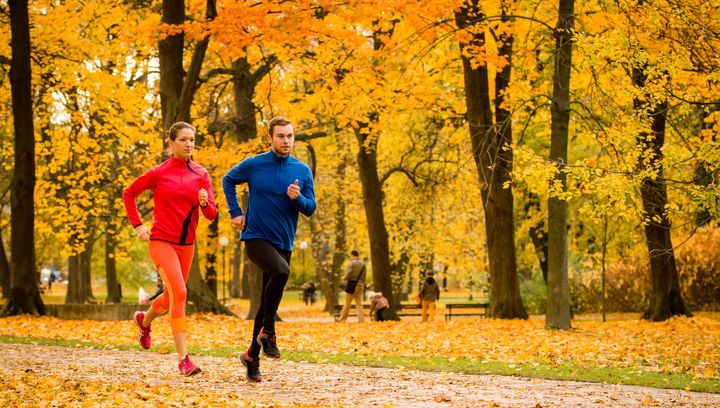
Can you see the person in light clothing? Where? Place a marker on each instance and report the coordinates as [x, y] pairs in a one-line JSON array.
[[378, 304], [354, 271]]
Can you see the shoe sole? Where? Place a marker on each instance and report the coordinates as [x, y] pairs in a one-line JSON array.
[[139, 334], [242, 360], [196, 370], [263, 348]]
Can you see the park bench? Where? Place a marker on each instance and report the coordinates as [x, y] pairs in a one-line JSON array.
[[404, 309], [466, 309], [409, 309]]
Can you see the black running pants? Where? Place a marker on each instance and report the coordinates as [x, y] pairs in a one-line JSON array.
[[275, 266]]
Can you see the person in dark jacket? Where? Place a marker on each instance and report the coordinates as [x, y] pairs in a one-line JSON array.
[[429, 294]]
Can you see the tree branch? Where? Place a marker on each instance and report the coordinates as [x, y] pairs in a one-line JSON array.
[[403, 170], [303, 137]]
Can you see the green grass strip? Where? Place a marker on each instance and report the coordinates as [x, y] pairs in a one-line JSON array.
[[563, 371]]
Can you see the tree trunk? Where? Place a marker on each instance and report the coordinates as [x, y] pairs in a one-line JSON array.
[[170, 51], [320, 242], [86, 269], [113, 286], [505, 300], [704, 176], [558, 292], [79, 284], [114, 292], [493, 158], [538, 234], [24, 293], [244, 84], [74, 293], [665, 299], [4, 270], [330, 283], [377, 231], [323, 263], [200, 296]]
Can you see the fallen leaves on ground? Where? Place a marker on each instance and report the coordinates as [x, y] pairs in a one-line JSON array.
[[81, 377], [681, 344]]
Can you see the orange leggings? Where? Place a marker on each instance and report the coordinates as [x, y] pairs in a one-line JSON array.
[[173, 263]]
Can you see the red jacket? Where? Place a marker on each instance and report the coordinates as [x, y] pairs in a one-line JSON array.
[[175, 185]]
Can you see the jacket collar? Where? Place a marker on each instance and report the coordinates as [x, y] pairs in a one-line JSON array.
[[178, 162], [279, 159]]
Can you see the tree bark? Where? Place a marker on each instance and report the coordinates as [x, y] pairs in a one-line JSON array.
[[24, 293], [377, 231], [86, 269], [4, 270], [79, 275], [170, 52], [704, 176], [200, 298], [114, 292], [558, 292], [330, 284], [321, 247], [538, 234], [493, 158], [244, 83], [323, 263], [113, 286], [665, 298]]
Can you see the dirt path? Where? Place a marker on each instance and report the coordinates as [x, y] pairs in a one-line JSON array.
[[289, 383]]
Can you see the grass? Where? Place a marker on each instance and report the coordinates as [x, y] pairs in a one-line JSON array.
[[561, 371]]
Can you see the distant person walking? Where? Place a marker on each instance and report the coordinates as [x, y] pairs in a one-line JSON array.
[[354, 286], [429, 294], [308, 291], [280, 188], [51, 279], [181, 190]]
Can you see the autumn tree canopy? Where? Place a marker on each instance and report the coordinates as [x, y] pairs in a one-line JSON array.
[[379, 94]]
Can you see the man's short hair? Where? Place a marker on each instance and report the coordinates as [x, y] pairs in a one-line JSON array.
[[354, 253], [278, 121]]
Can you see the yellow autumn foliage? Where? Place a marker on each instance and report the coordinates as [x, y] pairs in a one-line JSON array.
[[680, 345]]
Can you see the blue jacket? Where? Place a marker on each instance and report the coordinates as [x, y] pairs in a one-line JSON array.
[[271, 214]]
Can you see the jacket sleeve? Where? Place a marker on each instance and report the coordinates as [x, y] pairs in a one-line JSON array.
[[305, 202], [210, 210], [236, 175], [142, 183]]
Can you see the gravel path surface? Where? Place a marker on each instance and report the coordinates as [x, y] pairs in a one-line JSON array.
[[290, 383]]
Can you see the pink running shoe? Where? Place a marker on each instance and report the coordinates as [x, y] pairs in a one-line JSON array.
[[187, 368], [144, 335]]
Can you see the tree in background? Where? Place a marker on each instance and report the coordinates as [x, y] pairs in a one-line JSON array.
[[492, 151], [24, 294], [558, 309]]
